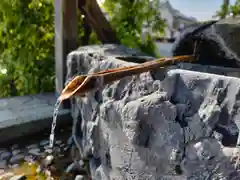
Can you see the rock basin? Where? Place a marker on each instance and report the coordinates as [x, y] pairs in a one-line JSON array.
[[167, 124]]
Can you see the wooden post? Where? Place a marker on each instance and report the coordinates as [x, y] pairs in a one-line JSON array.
[[65, 39]]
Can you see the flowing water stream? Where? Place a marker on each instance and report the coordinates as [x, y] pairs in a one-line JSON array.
[[54, 123]]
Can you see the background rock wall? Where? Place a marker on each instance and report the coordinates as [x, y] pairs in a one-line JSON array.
[[166, 124]]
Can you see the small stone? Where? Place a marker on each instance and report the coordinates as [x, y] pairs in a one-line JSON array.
[[65, 148], [15, 152], [5, 155], [16, 159], [57, 149], [70, 141], [46, 147], [19, 177], [32, 146], [1, 171], [49, 159], [28, 158], [61, 145], [34, 151], [58, 142], [15, 166], [44, 142], [47, 173], [3, 164], [14, 146], [79, 177], [6, 175], [39, 169], [70, 167], [49, 151], [2, 150]]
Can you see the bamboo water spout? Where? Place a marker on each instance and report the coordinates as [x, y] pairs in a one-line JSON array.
[[85, 83]]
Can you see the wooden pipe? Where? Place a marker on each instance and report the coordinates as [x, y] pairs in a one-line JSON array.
[[85, 83]]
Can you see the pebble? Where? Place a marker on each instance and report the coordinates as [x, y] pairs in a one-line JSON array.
[[32, 146], [14, 165], [79, 177], [6, 175], [16, 159], [44, 142], [1, 171], [70, 141], [2, 150], [49, 151], [16, 151], [46, 147], [58, 142], [18, 177], [57, 149], [48, 161], [65, 148], [34, 151], [14, 146], [28, 158], [5, 155], [3, 164]]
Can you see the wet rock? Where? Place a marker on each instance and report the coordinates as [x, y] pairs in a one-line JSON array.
[[79, 177], [19, 177], [16, 159], [28, 158], [3, 164], [141, 132], [57, 149], [2, 150], [14, 146], [58, 142], [32, 146], [61, 145], [14, 166], [44, 142], [48, 161], [5, 155], [7, 175], [34, 151], [49, 151], [70, 141], [216, 46], [16, 151]]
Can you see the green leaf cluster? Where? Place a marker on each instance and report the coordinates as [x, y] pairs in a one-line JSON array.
[[27, 46], [228, 9], [128, 17]]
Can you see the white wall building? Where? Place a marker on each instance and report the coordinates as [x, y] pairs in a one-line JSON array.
[[175, 20]]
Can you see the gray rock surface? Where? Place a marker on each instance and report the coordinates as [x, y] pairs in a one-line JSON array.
[[183, 126]]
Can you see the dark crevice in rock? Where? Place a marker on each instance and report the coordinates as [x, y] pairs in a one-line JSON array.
[[178, 170], [137, 59], [228, 139]]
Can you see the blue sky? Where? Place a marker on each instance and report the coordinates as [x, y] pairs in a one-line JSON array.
[[200, 9]]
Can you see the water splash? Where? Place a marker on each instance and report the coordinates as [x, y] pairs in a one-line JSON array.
[[54, 123]]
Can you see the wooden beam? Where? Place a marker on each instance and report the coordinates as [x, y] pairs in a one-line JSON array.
[[65, 38], [96, 19]]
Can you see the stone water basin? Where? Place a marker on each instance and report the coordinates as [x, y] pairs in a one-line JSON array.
[[21, 158]]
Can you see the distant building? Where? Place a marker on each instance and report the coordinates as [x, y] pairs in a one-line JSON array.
[[174, 19]]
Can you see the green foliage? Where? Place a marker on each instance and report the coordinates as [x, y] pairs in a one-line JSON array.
[[127, 17], [27, 46], [26, 38], [227, 9], [235, 9]]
